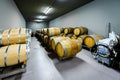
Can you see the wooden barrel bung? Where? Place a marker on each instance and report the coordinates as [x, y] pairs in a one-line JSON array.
[[81, 38], [53, 31], [80, 31], [91, 40], [12, 55], [68, 30], [55, 40], [68, 48]]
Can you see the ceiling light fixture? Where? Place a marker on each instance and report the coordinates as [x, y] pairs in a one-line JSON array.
[[42, 17], [38, 20], [47, 10]]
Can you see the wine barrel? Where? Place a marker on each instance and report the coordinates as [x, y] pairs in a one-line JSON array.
[[81, 38], [119, 40], [74, 37], [62, 34], [62, 30], [80, 31], [68, 30], [55, 40], [14, 36], [91, 40], [45, 39], [45, 31], [50, 41], [69, 35], [13, 54], [53, 31], [68, 48]]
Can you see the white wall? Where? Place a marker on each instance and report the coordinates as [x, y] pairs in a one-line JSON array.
[[10, 16], [34, 25], [95, 16]]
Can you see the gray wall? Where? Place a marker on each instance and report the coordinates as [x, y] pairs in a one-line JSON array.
[[95, 16], [10, 16], [35, 25]]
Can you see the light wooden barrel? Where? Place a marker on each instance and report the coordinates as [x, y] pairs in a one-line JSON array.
[[42, 38], [45, 31], [55, 40], [81, 38], [13, 54], [119, 40], [80, 31], [68, 30], [39, 30], [91, 40], [14, 36], [69, 35], [45, 39], [74, 37], [68, 48], [53, 31], [62, 30], [50, 41], [62, 34]]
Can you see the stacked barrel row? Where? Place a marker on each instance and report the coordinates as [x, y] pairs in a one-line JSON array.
[[66, 42], [15, 45]]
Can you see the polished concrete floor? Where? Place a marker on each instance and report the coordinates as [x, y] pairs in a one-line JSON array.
[[43, 65]]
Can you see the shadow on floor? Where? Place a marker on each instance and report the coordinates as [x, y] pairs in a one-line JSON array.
[[69, 64], [15, 77]]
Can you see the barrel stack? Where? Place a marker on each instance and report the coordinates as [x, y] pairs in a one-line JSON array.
[[15, 46], [66, 42]]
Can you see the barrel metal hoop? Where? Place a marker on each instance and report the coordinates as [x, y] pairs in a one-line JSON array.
[[19, 35], [19, 53], [65, 49], [78, 45], [71, 49], [9, 36], [5, 56]]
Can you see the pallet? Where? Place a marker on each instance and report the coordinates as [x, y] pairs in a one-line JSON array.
[[89, 49], [12, 70]]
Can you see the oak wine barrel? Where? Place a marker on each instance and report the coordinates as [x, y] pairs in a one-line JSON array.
[[81, 38], [91, 40], [45, 31], [53, 31], [14, 36], [13, 54], [55, 40], [68, 48], [68, 30], [80, 31]]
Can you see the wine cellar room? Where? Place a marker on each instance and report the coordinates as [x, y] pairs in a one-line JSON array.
[[59, 40]]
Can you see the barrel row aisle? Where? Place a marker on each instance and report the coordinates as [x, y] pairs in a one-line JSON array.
[[67, 42], [15, 46]]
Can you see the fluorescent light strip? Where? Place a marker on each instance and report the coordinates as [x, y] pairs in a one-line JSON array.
[[49, 10], [38, 20], [41, 17]]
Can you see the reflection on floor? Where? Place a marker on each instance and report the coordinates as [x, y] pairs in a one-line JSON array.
[[43, 65]]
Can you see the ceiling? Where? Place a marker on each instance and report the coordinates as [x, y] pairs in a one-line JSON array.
[[47, 9]]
